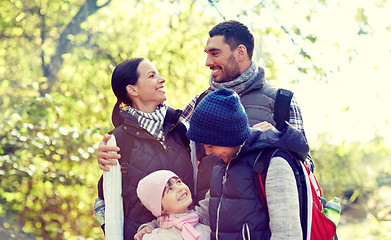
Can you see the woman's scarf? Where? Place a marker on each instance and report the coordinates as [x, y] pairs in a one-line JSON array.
[[152, 122], [185, 223], [241, 83]]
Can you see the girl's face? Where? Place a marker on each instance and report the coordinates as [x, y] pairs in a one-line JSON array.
[[149, 90], [176, 197]]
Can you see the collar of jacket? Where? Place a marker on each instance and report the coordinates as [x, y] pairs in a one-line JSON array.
[[258, 84], [131, 124]]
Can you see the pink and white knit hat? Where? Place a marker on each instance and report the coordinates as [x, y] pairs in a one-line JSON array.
[[150, 190]]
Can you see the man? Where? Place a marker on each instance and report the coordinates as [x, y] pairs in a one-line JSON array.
[[229, 55], [235, 210]]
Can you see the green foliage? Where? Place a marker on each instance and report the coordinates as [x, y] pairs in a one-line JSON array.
[[56, 98], [56, 59], [353, 171], [46, 168]]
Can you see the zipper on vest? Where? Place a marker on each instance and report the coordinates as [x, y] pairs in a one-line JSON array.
[[222, 193], [246, 232]]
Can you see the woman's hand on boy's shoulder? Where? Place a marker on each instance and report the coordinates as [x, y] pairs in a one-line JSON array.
[[263, 126]]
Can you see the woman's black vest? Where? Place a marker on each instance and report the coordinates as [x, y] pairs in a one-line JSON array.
[[143, 154]]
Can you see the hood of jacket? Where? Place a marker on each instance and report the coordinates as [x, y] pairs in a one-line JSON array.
[[290, 139]]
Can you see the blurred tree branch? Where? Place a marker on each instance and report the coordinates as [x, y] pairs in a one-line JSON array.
[[64, 45]]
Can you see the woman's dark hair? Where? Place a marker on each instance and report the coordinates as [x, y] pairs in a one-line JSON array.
[[235, 33], [124, 74]]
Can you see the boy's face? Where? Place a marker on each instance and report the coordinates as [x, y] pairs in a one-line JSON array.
[[176, 197], [225, 153]]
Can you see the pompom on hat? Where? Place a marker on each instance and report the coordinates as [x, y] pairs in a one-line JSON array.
[[150, 190], [219, 120]]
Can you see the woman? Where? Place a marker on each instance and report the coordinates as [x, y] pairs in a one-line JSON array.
[[153, 132]]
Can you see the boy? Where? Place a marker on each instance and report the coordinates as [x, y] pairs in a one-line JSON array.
[[236, 212]]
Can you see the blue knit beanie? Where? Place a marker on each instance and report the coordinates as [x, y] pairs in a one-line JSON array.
[[219, 120]]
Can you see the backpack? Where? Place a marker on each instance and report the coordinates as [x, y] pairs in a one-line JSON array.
[[315, 225]]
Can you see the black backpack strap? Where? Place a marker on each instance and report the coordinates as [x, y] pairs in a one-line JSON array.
[[180, 135], [125, 143], [260, 172], [281, 107], [261, 165], [201, 96], [299, 174], [179, 131]]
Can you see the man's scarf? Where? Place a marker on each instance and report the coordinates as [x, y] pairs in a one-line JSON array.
[[241, 83]]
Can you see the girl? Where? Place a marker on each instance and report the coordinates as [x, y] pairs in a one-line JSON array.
[[168, 198]]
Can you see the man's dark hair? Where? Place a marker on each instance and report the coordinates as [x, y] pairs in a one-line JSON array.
[[235, 33]]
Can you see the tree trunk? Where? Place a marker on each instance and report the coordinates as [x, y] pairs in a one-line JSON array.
[[51, 69]]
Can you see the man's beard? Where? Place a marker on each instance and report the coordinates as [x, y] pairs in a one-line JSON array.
[[231, 71]]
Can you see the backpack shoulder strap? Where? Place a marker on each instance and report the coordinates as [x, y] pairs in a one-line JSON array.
[[125, 143], [180, 135], [260, 168], [201, 96], [281, 107], [179, 130]]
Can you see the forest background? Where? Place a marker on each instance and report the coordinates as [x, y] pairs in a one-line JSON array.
[[56, 60]]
